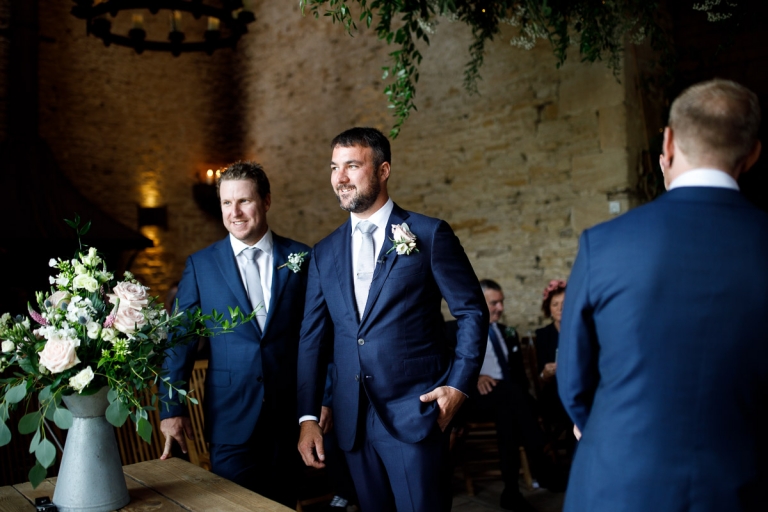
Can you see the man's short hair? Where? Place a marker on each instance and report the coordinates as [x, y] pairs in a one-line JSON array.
[[716, 123], [489, 284], [367, 138], [246, 171]]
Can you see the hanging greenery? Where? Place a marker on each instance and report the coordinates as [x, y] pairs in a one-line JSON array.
[[598, 28]]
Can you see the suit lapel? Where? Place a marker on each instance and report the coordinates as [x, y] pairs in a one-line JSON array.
[[280, 277], [342, 243], [384, 262], [227, 263]]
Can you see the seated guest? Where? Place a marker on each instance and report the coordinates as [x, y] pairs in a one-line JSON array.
[[555, 418], [502, 396]]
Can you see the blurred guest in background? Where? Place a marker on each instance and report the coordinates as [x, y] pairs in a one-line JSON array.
[[556, 420]]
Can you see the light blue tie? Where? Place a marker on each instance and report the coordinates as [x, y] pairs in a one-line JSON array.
[[253, 284], [365, 265]]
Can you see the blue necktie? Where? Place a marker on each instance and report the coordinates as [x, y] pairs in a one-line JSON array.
[[506, 371]]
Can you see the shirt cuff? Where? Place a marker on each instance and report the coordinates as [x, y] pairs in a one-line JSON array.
[[307, 417], [457, 389]]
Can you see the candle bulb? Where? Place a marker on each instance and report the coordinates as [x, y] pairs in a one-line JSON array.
[[175, 18], [138, 21], [213, 23], [209, 177]]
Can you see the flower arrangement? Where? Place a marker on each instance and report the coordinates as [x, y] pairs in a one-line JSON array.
[[403, 241], [92, 331], [295, 261]]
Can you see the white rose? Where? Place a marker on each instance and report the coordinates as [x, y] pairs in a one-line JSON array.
[[82, 379], [128, 320], [59, 354], [93, 330], [52, 262], [62, 280], [86, 282], [131, 295], [8, 346], [109, 334], [80, 269]]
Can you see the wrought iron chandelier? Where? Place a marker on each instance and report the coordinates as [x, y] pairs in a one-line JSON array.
[[227, 21]]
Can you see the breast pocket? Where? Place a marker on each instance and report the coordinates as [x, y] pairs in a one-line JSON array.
[[407, 265]]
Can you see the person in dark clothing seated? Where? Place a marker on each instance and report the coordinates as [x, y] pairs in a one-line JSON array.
[[502, 396], [556, 420]]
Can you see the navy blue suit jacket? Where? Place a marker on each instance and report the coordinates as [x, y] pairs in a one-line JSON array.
[[247, 370], [398, 350], [661, 365]]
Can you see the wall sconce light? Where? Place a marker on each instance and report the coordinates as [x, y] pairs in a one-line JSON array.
[[153, 216], [205, 193]]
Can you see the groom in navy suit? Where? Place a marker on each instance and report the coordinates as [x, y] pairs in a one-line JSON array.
[[377, 283], [250, 385], [663, 356]]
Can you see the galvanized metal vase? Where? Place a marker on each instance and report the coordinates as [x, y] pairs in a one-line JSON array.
[[91, 474]]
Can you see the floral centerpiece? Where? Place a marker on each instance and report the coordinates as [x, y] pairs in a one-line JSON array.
[[90, 331]]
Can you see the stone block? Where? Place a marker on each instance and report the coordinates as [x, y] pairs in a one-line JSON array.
[[613, 127], [601, 172], [588, 87]]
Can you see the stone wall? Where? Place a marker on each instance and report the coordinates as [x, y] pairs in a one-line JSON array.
[[518, 171]]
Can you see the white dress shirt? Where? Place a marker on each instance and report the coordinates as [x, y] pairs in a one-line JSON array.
[[380, 234], [264, 261], [705, 178], [491, 366]]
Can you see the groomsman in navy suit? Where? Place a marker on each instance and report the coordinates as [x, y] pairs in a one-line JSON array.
[[377, 283], [663, 358], [250, 385]]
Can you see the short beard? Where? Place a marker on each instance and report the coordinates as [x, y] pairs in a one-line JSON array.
[[362, 202]]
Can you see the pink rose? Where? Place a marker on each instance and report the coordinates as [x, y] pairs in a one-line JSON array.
[[401, 233], [57, 298], [128, 320], [59, 354], [130, 295]]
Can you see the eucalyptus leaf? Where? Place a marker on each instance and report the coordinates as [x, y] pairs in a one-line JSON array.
[[5, 434], [117, 413], [44, 394], [37, 474], [144, 429], [29, 423], [63, 418], [46, 453], [35, 442], [111, 395], [17, 393]]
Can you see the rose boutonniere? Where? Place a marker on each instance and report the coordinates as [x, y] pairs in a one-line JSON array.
[[509, 332], [295, 261], [403, 241]]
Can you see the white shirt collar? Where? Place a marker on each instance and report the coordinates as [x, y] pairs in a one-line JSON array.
[[265, 244], [379, 218], [705, 178]]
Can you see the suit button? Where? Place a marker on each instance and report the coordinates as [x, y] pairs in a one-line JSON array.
[[361, 341], [259, 378]]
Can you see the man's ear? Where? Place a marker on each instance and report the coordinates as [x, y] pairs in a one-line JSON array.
[[751, 158], [384, 169], [668, 148]]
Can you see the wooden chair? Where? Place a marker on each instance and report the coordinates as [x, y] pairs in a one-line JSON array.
[[198, 449], [134, 449], [478, 453]]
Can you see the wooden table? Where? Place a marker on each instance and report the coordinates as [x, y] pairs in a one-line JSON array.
[[159, 485]]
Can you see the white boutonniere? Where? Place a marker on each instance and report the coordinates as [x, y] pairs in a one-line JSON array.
[[295, 261], [403, 241]]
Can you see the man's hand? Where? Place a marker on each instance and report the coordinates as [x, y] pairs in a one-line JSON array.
[[175, 428], [448, 401], [550, 369], [326, 419], [485, 384], [311, 444]]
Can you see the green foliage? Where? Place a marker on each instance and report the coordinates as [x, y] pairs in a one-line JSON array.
[[597, 28]]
